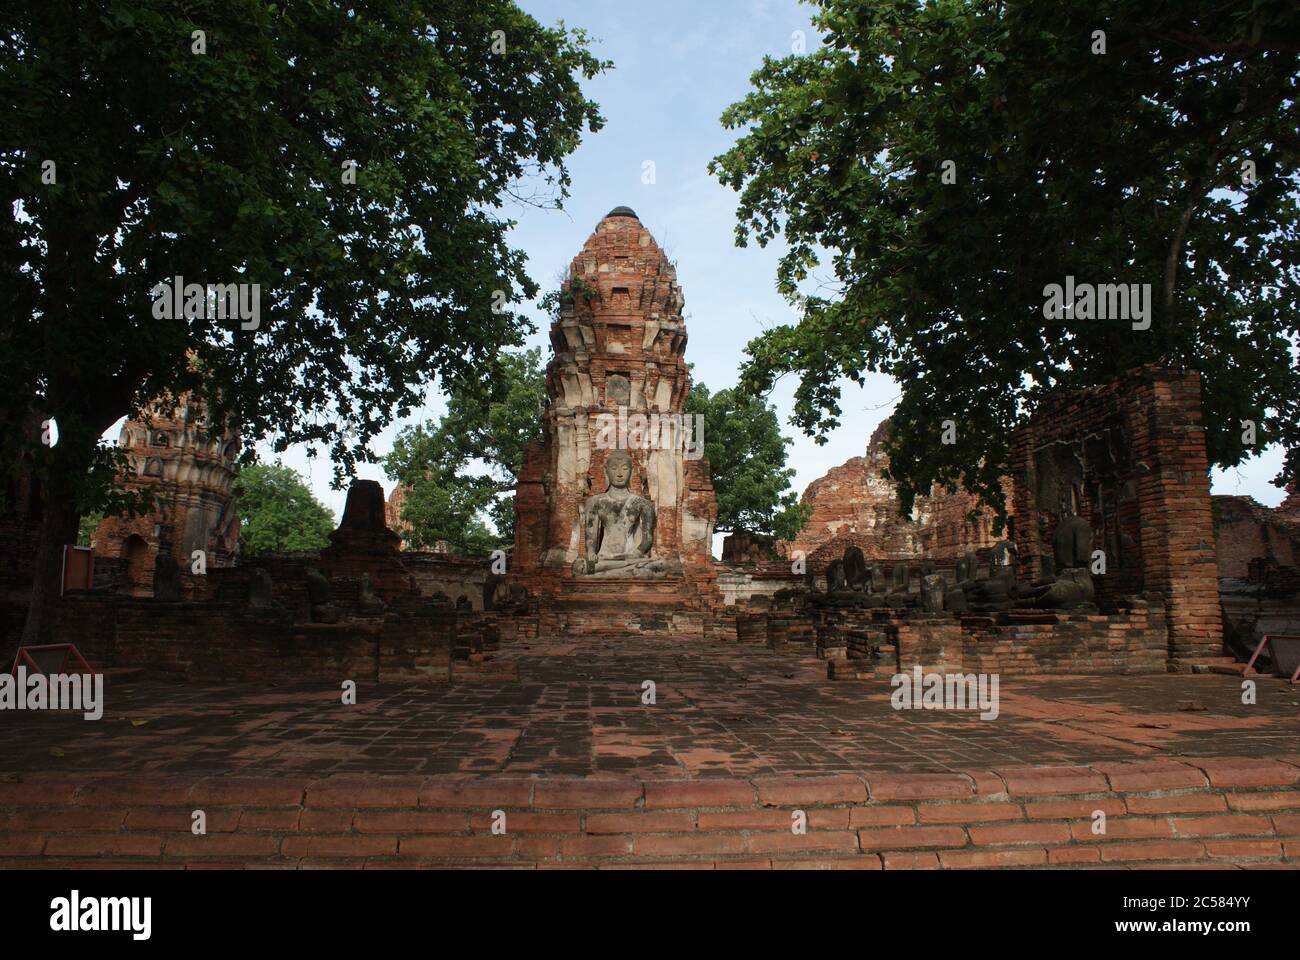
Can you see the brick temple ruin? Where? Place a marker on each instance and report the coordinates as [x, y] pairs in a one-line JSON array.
[[618, 361], [616, 513], [190, 468], [856, 505], [520, 689]]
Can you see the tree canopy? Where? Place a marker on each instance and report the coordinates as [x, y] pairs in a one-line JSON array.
[[949, 160], [278, 513], [463, 469], [351, 162], [747, 461]]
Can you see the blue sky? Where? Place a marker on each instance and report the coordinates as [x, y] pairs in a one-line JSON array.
[[677, 66]]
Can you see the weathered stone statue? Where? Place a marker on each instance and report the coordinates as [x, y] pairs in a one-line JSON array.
[[620, 529], [166, 579], [323, 609], [956, 596], [261, 591], [1072, 588], [932, 593], [856, 574], [1071, 556], [369, 602], [1000, 590], [262, 604], [845, 582], [954, 599], [898, 595], [836, 582], [879, 582]]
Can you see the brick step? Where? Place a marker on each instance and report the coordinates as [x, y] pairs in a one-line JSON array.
[[1213, 812]]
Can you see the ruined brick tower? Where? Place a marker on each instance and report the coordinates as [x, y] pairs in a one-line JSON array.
[[619, 342], [192, 474]]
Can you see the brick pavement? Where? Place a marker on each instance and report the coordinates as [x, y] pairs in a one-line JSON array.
[[740, 744], [720, 711]]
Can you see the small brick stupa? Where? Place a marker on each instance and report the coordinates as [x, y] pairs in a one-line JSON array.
[[619, 346]]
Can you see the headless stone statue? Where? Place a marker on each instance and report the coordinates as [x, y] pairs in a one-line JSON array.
[[954, 599], [835, 579], [1072, 588], [957, 595], [262, 604], [898, 593], [370, 604], [318, 593], [879, 582], [261, 592], [1072, 543], [840, 590], [1000, 590], [166, 579], [932, 593], [1071, 555], [620, 529], [856, 574]]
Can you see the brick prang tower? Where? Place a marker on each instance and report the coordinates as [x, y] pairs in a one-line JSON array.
[[619, 343]]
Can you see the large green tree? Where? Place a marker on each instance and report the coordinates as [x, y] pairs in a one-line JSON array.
[[747, 462], [351, 160], [948, 160], [463, 469], [278, 512]]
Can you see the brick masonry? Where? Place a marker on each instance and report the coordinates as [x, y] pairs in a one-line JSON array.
[[619, 343], [855, 504], [219, 640], [1259, 577], [1226, 813], [1135, 451], [1017, 642], [191, 475]]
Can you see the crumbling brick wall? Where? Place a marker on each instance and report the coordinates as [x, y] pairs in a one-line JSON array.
[[1134, 449], [855, 504]]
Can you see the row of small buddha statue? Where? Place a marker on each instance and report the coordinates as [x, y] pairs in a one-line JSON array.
[[852, 582]]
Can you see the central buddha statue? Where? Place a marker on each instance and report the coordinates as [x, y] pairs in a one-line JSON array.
[[620, 529]]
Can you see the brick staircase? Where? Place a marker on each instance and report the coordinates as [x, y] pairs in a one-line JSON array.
[[1223, 813]]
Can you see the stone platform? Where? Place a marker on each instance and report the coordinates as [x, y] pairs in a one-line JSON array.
[[708, 776]]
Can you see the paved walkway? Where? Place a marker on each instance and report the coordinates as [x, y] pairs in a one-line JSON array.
[[721, 710]]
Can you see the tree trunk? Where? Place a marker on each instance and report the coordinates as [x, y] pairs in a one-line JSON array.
[[59, 521]]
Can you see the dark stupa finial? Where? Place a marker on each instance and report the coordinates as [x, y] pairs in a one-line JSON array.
[[623, 212]]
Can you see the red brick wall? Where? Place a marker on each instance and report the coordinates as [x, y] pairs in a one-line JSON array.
[[1137, 448], [1250, 538], [220, 640], [881, 644]]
